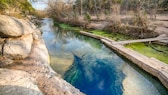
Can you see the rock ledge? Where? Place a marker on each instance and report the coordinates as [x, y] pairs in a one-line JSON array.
[[22, 46]]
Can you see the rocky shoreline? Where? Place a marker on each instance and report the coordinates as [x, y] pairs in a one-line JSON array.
[[24, 62]]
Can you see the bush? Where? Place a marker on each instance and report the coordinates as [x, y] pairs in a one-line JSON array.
[[58, 9], [40, 14], [87, 17], [15, 7]]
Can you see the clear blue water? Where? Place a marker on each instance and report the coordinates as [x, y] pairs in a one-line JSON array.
[[95, 75], [93, 68]]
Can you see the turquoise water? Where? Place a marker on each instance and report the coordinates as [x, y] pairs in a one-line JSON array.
[[93, 68]]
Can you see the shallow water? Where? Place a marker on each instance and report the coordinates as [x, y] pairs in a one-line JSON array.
[[93, 68]]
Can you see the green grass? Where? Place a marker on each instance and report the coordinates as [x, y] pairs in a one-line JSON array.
[[67, 27], [161, 53], [111, 35]]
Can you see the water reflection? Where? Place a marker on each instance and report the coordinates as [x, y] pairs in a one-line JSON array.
[[93, 68], [96, 75]]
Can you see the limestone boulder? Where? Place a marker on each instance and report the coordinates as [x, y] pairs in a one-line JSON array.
[[14, 82], [13, 27], [18, 48]]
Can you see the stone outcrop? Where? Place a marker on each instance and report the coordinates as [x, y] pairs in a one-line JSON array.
[[18, 48], [13, 82], [37, 64], [16, 37], [22, 48], [12, 27]]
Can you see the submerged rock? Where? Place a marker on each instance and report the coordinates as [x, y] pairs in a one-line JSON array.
[[61, 64], [14, 82], [13, 27]]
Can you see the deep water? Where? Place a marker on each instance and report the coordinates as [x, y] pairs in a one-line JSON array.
[[94, 76], [93, 68]]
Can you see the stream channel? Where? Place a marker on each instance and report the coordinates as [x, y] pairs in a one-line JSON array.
[[93, 68]]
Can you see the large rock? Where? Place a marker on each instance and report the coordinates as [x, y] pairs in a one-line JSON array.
[[14, 82], [37, 64], [13, 27], [18, 48]]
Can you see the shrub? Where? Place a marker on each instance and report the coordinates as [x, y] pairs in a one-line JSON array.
[[15, 7], [87, 17]]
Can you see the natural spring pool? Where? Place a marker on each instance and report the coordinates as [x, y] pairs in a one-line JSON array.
[[93, 68]]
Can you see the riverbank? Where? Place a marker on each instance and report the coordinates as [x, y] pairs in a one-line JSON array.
[[23, 50], [156, 49], [151, 65], [150, 49]]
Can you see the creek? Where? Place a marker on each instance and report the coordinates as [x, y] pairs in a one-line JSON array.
[[93, 68]]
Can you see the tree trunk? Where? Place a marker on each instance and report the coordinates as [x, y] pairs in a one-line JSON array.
[[81, 9], [95, 9]]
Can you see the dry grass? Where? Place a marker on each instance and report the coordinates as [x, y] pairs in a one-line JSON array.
[[40, 14], [59, 9], [63, 12]]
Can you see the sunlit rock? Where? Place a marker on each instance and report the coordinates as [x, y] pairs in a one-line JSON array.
[[13, 27], [14, 82], [18, 48]]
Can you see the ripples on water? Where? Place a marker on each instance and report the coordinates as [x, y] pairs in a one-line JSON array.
[[93, 68]]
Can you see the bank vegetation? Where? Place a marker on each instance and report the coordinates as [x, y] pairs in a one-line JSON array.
[[19, 9], [121, 16]]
